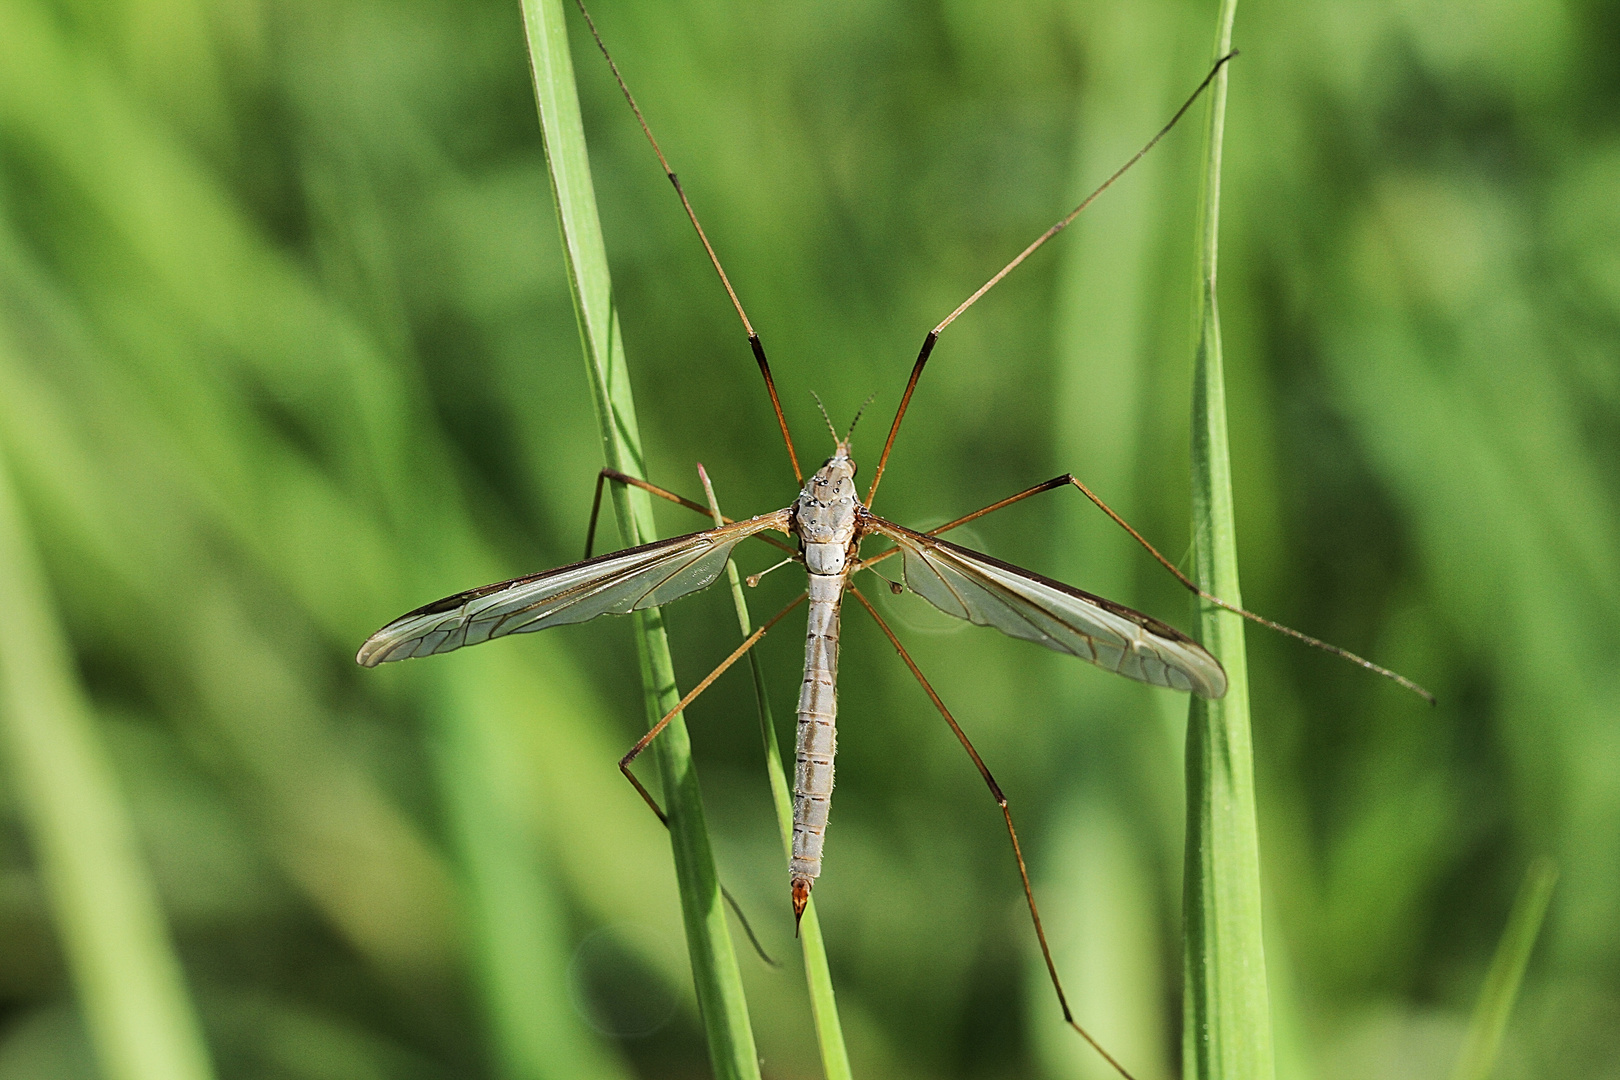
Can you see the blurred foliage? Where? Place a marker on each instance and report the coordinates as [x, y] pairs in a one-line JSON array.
[[286, 348]]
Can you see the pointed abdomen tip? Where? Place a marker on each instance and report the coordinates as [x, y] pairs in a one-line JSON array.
[[801, 897]]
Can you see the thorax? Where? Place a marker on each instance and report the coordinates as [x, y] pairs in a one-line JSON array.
[[825, 517]]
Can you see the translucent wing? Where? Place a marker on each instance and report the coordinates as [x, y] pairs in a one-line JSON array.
[[990, 592], [616, 584]]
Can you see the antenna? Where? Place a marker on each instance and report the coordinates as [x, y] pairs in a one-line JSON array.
[[825, 418], [869, 399]]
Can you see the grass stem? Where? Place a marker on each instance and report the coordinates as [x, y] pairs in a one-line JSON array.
[[103, 899], [818, 976], [714, 963], [1226, 1007], [1506, 973]]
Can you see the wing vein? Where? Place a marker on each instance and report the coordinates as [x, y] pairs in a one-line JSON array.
[[616, 583], [984, 590]]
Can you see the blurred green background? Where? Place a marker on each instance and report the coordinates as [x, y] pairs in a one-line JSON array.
[[286, 348]]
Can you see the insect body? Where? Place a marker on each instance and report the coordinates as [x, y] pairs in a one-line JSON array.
[[828, 520], [824, 517]]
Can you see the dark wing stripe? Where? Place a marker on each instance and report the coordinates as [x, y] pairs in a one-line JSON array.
[[426, 640], [1125, 655], [1015, 604], [594, 587], [616, 583], [1035, 608], [1019, 605], [1147, 622], [1131, 660]]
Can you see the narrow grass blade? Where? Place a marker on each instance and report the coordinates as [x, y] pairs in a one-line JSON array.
[[714, 961], [1226, 1009], [817, 975], [261, 716], [102, 897], [513, 905], [1502, 981]]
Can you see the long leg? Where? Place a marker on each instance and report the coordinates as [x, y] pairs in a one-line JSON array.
[[748, 327], [1012, 833], [652, 733], [653, 489], [1069, 479], [1063, 223], [646, 740]]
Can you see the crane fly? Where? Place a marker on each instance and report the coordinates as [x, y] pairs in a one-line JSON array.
[[828, 520], [825, 527]]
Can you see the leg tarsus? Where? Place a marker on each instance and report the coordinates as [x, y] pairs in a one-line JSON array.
[[731, 901], [748, 927], [1063, 223]]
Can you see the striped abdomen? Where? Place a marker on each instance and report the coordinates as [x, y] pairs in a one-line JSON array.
[[818, 737]]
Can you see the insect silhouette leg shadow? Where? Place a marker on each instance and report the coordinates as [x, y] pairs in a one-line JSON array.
[[1012, 833]]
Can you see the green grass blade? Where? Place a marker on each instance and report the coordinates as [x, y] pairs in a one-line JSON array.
[[714, 961], [1502, 981], [512, 904], [1226, 1010], [104, 901], [817, 975], [374, 877]]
